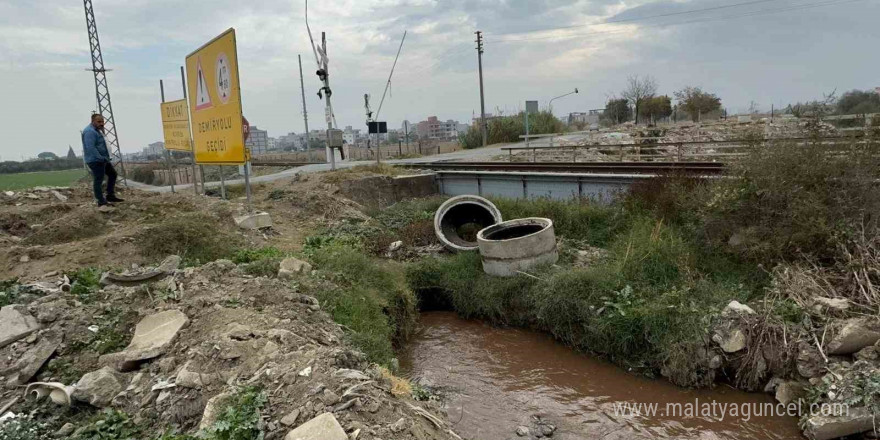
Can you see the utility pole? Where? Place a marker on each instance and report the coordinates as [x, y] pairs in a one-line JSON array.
[[483, 128], [305, 112], [102, 91], [406, 134]]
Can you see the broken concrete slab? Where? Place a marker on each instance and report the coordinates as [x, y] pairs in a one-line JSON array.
[[322, 427], [257, 220], [32, 360], [858, 420], [152, 336], [290, 266], [854, 335], [15, 323], [99, 387]]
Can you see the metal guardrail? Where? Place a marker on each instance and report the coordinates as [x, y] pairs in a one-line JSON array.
[[693, 168]]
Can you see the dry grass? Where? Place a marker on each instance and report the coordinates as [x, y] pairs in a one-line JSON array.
[[856, 278], [76, 225], [400, 387]]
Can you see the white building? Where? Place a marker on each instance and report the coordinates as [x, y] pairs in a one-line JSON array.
[[258, 140]]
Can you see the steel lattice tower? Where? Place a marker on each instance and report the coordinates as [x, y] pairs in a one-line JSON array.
[[102, 92]]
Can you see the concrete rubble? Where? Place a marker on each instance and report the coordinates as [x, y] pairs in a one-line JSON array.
[[15, 323], [820, 427], [322, 427], [854, 335], [140, 276], [731, 341], [152, 336], [98, 388], [32, 360], [290, 266], [257, 220]]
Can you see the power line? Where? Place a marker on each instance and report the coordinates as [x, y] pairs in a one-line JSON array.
[[625, 20], [700, 20]]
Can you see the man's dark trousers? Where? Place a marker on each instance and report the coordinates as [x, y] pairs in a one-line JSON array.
[[99, 170]]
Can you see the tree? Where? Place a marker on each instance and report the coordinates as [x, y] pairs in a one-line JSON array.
[[46, 155], [697, 102], [857, 102], [638, 90], [657, 107], [617, 110]]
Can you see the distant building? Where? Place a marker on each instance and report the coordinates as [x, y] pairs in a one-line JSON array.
[[273, 144], [70, 153], [435, 129], [351, 135], [592, 117], [154, 149], [258, 140]]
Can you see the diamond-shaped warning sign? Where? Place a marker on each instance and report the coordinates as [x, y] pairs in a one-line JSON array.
[[203, 97]]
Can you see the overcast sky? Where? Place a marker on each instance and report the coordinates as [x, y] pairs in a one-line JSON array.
[[767, 51]]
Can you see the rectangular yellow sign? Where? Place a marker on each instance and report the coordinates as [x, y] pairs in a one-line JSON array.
[[215, 102], [175, 125]]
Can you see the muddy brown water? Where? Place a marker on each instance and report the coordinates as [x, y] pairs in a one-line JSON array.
[[495, 379]]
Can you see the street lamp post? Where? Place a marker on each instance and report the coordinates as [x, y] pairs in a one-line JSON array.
[[551, 106], [561, 96]]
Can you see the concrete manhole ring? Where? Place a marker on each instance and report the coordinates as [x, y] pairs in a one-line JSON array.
[[459, 219]]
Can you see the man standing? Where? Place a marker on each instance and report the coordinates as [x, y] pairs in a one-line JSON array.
[[98, 159]]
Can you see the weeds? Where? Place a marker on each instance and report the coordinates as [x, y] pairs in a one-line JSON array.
[[111, 334], [110, 424], [578, 220], [259, 262], [370, 299], [25, 427], [196, 237], [84, 283], [240, 417]]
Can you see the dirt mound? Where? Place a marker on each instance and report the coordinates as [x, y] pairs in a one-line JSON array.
[[244, 334], [82, 223]]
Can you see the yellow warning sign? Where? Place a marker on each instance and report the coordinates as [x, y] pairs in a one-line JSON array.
[[175, 125], [215, 101]]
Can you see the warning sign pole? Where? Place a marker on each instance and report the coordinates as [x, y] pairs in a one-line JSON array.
[[192, 146], [165, 152]]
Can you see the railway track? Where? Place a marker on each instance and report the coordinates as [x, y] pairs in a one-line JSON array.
[[701, 168]]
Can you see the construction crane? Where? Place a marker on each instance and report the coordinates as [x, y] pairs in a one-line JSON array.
[[102, 92]]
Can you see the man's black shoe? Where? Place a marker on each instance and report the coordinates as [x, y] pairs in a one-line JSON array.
[[114, 199], [100, 204]]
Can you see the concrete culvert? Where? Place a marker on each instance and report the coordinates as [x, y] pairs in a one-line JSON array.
[[460, 218], [517, 245]]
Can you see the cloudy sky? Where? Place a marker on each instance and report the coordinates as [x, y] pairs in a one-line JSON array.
[[766, 51]]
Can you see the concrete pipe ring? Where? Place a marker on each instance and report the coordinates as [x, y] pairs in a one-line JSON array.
[[458, 220], [516, 246]]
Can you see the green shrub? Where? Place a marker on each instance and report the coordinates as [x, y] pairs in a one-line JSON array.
[[510, 128], [578, 220], [369, 298], [646, 305]]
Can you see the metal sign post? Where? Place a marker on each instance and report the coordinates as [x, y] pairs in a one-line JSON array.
[[189, 133], [531, 107], [165, 152]]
